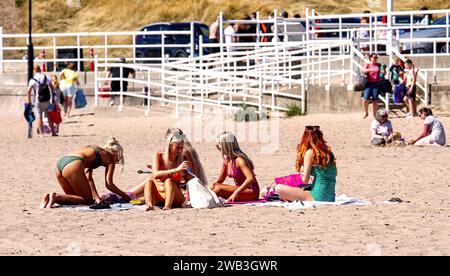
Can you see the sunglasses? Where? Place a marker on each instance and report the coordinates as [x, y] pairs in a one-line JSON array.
[[312, 127]]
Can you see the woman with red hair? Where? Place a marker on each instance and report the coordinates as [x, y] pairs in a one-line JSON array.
[[314, 158]]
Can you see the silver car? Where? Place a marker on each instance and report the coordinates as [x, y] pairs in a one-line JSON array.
[[425, 47]]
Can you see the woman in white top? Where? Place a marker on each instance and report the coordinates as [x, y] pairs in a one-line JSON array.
[[381, 127], [433, 133]]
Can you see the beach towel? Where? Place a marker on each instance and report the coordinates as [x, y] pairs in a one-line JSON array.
[[113, 208], [340, 200]]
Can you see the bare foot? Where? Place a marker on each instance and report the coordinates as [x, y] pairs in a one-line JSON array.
[[44, 201], [365, 116], [51, 201], [149, 208]]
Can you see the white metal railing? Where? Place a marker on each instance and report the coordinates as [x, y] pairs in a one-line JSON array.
[[51, 46]]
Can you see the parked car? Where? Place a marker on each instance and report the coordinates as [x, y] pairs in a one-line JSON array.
[[426, 47], [176, 39], [353, 22]]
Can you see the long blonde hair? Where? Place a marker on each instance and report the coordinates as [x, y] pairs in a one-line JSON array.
[[113, 146], [230, 148], [188, 149], [172, 138]]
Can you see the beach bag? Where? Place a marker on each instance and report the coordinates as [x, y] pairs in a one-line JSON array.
[[360, 81], [397, 96], [104, 88], [200, 196], [54, 114], [44, 94], [385, 86], [80, 99]]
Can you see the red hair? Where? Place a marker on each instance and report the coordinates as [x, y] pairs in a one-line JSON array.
[[321, 151]]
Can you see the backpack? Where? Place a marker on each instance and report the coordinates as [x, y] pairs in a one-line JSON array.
[[44, 94]]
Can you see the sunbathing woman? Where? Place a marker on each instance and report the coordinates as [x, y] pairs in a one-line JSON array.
[[238, 166], [317, 160], [168, 171], [71, 173], [189, 154]]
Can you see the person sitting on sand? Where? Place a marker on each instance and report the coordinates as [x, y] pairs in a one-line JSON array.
[[71, 171], [381, 127], [168, 170], [236, 165], [433, 133], [189, 154], [314, 158]]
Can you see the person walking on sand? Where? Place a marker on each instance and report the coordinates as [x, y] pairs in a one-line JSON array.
[[69, 78], [42, 89], [74, 173], [372, 89]]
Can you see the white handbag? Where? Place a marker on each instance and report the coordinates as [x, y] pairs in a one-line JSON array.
[[200, 196]]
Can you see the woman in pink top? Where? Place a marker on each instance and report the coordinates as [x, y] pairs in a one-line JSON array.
[[237, 166], [372, 90]]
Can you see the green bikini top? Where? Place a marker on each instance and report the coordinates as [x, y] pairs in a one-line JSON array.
[[98, 158]]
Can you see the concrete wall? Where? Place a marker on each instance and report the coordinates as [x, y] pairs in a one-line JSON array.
[[440, 97], [336, 100]]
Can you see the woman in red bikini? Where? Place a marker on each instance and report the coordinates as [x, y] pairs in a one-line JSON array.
[[168, 170], [238, 166]]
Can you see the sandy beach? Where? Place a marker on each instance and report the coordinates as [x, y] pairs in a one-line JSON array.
[[420, 176]]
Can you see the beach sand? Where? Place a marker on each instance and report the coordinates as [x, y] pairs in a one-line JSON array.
[[418, 175]]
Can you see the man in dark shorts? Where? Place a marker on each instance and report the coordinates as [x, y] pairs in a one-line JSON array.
[[114, 72]]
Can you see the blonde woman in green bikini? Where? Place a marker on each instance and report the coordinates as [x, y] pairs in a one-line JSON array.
[[74, 174]]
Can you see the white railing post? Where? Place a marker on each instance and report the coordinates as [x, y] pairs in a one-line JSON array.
[[434, 62], [275, 25], [96, 81], [1, 50], [79, 55], [260, 98], [258, 29], [320, 67], [350, 87], [202, 89], [55, 54], [192, 39], [307, 42], [329, 67], [177, 96], [134, 48], [303, 92], [148, 93], [427, 90], [221, 40], [163, 69], [106, 51], [121, 88]]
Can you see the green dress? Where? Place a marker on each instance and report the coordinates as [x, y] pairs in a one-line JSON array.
[[324, 184]]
